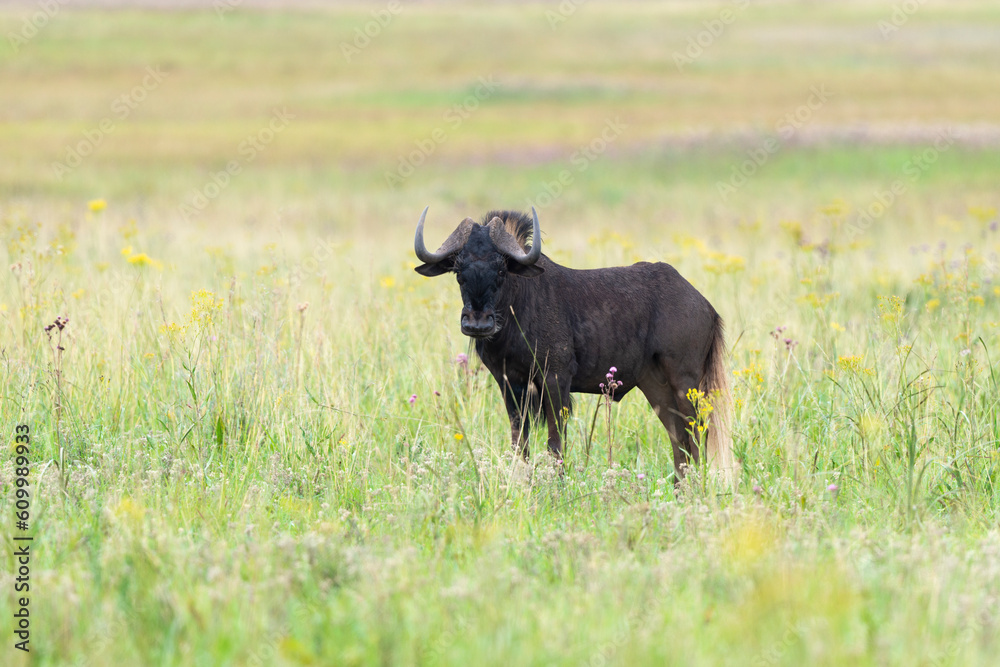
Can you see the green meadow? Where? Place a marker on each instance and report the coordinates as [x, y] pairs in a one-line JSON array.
[[254, 440]]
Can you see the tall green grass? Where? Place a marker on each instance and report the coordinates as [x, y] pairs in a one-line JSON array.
[[237, 467]]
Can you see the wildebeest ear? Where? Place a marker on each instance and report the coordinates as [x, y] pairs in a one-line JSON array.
[[528, 271], [431, 270]]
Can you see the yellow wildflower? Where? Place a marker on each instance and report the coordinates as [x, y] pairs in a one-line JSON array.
[[982, 213], [794, 229], [720, 263], [891, 308], [204, 304], [854, 364], [836, 207], [142, 259]]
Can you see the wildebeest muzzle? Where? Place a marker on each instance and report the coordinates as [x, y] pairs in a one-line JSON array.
[[478, 324]]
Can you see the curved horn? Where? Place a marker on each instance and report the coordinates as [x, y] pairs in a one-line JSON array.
[[451, 245], [508, 245]]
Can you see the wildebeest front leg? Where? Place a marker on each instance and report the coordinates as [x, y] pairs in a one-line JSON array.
[[516, 400], [556, 404]]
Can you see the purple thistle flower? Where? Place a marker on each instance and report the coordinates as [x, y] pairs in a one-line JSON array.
[[613, 369], [833, 488], [412, 399], [601, 385]]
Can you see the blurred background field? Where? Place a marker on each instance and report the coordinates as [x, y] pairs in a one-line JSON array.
[[229, 465]]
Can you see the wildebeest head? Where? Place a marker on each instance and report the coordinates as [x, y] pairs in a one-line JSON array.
[[481, 256]]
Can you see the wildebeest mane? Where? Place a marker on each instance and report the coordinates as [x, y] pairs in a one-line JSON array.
[[516, 223]]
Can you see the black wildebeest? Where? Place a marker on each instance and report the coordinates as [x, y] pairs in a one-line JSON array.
[[545, 330]]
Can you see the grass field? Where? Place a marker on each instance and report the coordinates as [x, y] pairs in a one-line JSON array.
[[226, 464]]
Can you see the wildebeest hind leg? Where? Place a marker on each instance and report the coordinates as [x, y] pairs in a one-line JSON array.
[[663, 400], [684, 415]]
